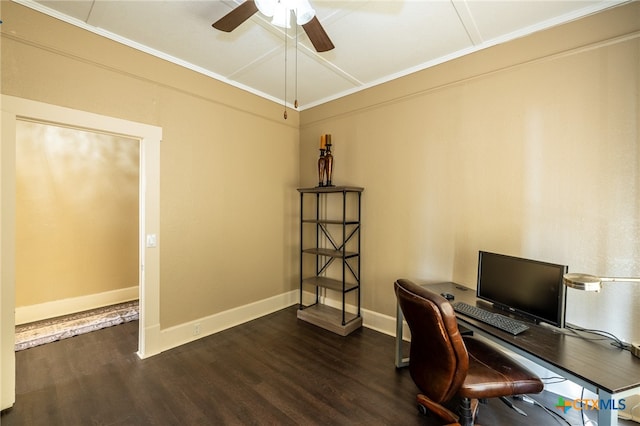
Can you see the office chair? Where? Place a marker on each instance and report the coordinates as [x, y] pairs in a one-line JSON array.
[[448, 367]]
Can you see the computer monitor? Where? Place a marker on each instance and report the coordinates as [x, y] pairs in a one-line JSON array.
[[525, 287]]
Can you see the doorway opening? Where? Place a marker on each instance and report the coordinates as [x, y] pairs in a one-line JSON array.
[[77, 220]]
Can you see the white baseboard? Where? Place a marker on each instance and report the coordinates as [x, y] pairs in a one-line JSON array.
[[370, 319], [56, 308], [188, 332]]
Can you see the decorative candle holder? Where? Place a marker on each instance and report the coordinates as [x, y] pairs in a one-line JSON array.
[[328, 158], [321, 168]]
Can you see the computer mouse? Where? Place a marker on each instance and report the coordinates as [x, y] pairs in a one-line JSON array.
[[448, 296]]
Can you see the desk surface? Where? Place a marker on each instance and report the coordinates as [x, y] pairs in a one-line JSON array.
[[594, 361]]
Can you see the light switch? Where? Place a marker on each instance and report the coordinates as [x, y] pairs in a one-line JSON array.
[[152, 240]]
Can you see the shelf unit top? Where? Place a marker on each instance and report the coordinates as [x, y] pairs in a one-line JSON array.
[[319, 189]]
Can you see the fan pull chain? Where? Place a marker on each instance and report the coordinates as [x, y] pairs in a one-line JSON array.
[[295, 102], [285, 74]]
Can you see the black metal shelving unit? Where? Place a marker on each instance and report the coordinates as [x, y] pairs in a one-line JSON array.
[[336, 249]]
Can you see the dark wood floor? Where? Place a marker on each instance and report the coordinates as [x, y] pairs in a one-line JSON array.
[[274, 370]]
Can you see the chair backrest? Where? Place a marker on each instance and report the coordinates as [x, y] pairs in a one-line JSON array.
[[439, 360]]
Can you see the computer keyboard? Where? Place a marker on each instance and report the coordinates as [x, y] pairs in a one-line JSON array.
[[496, 320]]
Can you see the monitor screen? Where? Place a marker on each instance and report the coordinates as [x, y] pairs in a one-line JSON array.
[[527, 287]]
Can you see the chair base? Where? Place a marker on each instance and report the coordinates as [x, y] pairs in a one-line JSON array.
[[468, 410]]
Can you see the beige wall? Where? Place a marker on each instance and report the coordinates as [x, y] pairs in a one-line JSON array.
[[530, 148], [76, 213], [490, 151], [229, 162]]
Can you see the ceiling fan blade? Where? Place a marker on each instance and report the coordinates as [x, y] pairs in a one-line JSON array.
[[237, 16], [317, 35]]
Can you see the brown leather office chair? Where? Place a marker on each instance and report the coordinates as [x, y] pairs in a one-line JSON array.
[[448, 367]]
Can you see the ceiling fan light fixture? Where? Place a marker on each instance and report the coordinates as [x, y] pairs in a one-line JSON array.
[[266, 7], [281, 15], [280, 11], [304, 12]]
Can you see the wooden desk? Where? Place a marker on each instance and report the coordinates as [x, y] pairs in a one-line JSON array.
[[609, 372]]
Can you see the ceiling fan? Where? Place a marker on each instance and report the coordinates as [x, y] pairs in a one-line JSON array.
[[280, 12]]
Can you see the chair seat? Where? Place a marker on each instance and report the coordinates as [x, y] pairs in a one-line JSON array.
[[492, 374]]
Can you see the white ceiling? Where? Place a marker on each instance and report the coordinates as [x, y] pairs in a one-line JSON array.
[[376, 40]]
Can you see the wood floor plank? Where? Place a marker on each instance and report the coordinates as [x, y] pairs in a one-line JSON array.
[[274, 370]]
